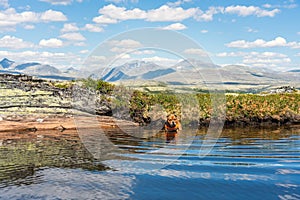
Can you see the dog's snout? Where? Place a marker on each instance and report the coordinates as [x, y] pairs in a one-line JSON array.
[[173, 124]]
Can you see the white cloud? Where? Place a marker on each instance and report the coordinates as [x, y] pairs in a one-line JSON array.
[[122, 1], [250, 10], [93, 28], [171, 12], [175, 27], [251, 30], [143, 52], [167, 13], [161, 60], [9, 18], [286, 4], [104, 20], [121, 13], [73, 36], [4, 3], [263, 62], [97, 59], [52, 43], [266, 54], [260, 59], [290, 6], [12, 42], [178, 3], [94, 61], [4, 29], [230, 54], [204, 31], [194, 51], [124, 56], [52, 15], [238, 10], [209, 14], [113, 14], [115, 1], [121, 49], [260, 43], [44, 57], [58, 2], [126, 43], [84, 51], [69, 27], [27, 7], [267, 5]]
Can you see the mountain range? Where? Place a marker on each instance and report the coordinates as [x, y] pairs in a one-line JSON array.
[[186, 72], [136, 70], [196, 73], [35, 69]]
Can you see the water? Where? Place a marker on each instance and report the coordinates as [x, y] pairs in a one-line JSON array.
[[244, 164]]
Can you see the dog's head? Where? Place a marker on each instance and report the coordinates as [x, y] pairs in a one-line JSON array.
[[172, 120]]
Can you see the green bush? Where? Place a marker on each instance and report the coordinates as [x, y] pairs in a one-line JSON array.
[[99, 85]]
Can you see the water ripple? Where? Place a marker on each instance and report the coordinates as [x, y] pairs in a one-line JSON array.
[[239, 166]]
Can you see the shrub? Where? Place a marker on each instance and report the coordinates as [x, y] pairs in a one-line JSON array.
[[99, 85]]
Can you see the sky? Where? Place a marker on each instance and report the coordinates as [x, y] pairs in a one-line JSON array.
[[64, 33]]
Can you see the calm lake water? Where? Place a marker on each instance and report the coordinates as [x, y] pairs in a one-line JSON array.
[[244, 164]]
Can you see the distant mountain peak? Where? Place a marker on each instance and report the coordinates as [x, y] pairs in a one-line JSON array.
[[71, 68], [191, 63], [6, 60], [6, 63], [294, 70], [137, 64], [137, 61], [26, 65]]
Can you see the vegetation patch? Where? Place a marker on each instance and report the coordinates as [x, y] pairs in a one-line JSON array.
[[103, 98]]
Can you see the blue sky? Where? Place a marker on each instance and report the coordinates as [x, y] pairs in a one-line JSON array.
[[262, 34]]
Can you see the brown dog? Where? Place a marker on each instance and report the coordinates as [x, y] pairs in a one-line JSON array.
[[172, 124]]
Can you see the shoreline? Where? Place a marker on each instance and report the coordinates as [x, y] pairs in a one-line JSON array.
[[66, 123], [255, 123], [59, 123], [38, 124]]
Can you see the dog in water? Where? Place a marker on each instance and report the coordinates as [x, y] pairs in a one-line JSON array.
[[172, 125]]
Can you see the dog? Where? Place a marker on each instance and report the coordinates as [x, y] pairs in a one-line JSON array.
[[172, 125]]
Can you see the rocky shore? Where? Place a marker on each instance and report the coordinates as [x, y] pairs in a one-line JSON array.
[[22, 94], [33, 124], [29, 104], [58, 124]]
